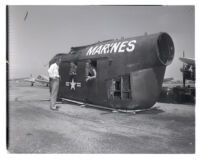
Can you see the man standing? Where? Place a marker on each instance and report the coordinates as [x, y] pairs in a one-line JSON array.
[[54, 83]]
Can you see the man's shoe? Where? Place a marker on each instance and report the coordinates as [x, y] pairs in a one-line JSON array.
[[57, 107], [54, 108]]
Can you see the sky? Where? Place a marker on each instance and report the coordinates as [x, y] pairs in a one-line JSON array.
[[34, 38]]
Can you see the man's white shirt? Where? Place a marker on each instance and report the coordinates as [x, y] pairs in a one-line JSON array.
[[53, 71]]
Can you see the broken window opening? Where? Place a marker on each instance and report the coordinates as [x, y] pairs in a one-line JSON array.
[[73, 68], [120, 88]]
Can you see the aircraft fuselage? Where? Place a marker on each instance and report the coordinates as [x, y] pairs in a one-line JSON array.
[[129, 71]]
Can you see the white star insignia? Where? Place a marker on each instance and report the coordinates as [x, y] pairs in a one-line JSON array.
[[73, 84]]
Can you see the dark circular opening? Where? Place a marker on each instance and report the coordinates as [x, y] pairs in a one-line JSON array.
[[165, 49]]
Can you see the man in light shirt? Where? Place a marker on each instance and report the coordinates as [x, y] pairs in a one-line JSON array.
[[54, 83]]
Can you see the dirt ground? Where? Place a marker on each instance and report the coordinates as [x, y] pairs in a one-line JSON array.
[[34, 128]]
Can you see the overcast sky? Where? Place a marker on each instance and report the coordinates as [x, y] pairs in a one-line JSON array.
[[46, 30]]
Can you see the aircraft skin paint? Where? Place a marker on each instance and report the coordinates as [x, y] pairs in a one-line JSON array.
[[143, 59]]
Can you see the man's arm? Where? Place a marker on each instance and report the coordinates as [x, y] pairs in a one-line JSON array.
[[92, 77], [56, 72]]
